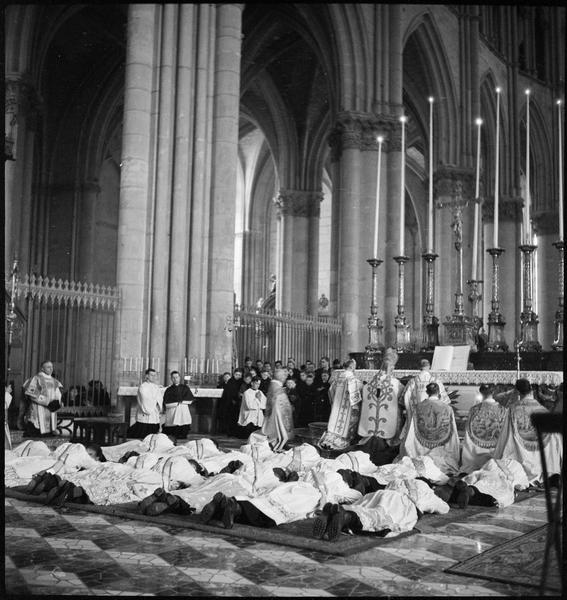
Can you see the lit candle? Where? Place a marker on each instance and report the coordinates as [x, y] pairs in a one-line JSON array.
[[496, 173], [527, 232], [403, 120], [476, 203], [560, 125], [430, 221], [185, 366], [380, 140]]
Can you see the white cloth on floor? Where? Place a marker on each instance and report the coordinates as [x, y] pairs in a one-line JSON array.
[[410, 468], [420, 494], [32, 448], [115, 453], [288, 502], [331, 485], [73, 456], [201, 448], [228, 483], [257, 446], [499, 478], [114, 483], [215, 464], [385, 509]]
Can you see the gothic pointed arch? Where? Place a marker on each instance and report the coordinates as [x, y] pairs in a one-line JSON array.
[[426, 66]]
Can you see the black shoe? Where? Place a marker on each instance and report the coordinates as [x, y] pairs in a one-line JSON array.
[[47, 483], [336, 523], [35, 481], [157, 496], [157, 508], [64, 493], [279, 473], [214, 508], [177, 505], [462, 494], [321, 522], [232, 510], [54, 492], [293, 476]]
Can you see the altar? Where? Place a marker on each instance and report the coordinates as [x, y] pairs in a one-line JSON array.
[[203, 409]]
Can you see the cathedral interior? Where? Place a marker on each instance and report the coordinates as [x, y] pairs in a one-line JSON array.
[[189, 184]]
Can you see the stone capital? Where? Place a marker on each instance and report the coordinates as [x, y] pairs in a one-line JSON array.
[[453, 186], [509, 209], [298, 203], [20, 98], [360, 131]]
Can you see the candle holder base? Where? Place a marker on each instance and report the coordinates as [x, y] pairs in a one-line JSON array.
[[460, 331], [558, 343], [558, 322], [496, 340], [403, 335], [528, 332], [430, 333]]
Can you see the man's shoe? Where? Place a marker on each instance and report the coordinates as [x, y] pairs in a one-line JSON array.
[[232, 510], [157, 508], [157, 496], [336, 523], [177, 505], [292, 476], [35, 481], [47, 483], [321, 522], [54, 492], [214, 508]]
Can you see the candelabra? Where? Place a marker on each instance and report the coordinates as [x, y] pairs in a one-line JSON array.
[[375, 345], [403, 343], [528, 318], [459, 327], [558, 321], [496, 323], [430, 333], [11, 317]]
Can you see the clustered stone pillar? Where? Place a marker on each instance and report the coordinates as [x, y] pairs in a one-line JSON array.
[[176, 220], [298, 214], [21, 115]]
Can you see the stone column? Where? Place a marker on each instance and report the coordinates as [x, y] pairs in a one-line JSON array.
[[546, 275], [87, 231], [298, 213], [135, 227], [226, 103], [21, 116]]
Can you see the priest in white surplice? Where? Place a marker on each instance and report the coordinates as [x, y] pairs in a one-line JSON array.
[[44, 392]]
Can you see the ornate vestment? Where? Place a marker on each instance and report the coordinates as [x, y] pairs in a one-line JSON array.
[[518, 440], [43, 389], [345, 397], [433, 432], [278, 423], [482, 431], [380, 414]]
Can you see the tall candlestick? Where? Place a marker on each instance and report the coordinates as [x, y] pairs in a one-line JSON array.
[[527, 232], [430, 214], [380, 140], [496, 170], [560, 126], [403, 120], [476, 204]]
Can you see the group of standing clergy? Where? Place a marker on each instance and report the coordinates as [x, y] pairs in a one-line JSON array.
[[389, 421]]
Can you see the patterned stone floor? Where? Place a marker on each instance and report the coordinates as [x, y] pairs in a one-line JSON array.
[[68, 552]]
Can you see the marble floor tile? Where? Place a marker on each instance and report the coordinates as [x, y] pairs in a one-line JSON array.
[[68, 552]]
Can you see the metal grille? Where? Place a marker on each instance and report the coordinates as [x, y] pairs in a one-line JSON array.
[[73, 325], [275, 335]]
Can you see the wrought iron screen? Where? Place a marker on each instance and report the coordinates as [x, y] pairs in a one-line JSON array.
[[71, 324], [272, 335]]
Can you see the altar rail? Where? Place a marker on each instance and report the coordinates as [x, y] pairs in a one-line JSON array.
[[273, 335], [72, 324]]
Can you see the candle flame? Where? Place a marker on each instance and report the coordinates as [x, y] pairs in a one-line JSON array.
[[478, 121], [380, 139], [528, 92], [559, 102], [403, 119], [498, 90], [430, 99]]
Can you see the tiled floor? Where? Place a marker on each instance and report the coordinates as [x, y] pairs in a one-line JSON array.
[[69, 552]]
